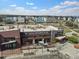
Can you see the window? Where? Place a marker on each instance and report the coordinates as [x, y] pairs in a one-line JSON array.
[[9, 39], [9, 46]]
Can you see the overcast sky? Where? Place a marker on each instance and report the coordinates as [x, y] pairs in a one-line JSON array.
[[40, 7]]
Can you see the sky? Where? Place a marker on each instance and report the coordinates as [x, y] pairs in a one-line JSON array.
[[40, 7]]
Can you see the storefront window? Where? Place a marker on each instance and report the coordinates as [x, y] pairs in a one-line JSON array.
[[9, 46]]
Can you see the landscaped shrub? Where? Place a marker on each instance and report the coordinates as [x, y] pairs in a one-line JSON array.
[[73, 39]]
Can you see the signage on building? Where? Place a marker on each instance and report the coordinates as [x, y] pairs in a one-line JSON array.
[[38, 33]]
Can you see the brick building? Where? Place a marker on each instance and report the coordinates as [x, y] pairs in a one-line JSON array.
[[9, 40], [12, 39]]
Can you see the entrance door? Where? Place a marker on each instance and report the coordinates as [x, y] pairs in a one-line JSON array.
[[37, 41]]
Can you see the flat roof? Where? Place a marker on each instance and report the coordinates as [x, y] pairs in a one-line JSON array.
[[28, 28], [47, 28], [6, 28]]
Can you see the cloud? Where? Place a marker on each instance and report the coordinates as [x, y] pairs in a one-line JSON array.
[[70, 3], [60, 9], [43, 10], [51, 11], [29, 3], [12, 5], [34, 7], [70, 11], [19, 10]]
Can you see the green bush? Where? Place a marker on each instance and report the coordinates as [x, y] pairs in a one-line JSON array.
[[69, 23], [73, 39], [8, 21], [74, 34]]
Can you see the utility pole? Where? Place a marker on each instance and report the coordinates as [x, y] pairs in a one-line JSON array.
[[0, 50]]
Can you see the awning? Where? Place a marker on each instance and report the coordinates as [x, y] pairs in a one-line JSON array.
[[9, 42], [60, 37]]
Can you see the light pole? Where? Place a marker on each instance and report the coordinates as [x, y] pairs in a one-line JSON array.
[[41, 43], [0, 50], [1, 55], [52, 35]]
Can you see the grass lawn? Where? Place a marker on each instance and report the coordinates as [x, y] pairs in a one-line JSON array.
[[77, 30], [66, 30]]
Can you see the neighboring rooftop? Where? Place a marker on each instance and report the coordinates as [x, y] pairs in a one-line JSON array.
[[27, 28], [68, 49]]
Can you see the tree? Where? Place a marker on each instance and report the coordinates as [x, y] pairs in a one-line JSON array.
[[69, 23], [9, 21], [1, 20]]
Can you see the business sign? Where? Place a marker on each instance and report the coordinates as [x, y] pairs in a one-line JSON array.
[[38, 33]]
